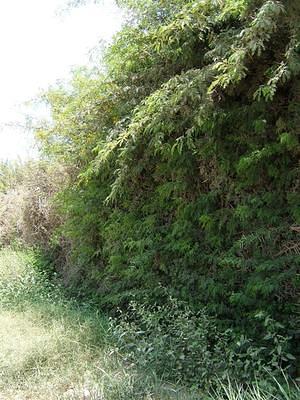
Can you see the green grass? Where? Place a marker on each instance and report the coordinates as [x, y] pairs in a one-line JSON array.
[[48, 347], [53, 348]]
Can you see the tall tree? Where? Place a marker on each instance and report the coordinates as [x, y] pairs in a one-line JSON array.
[[186, 152]]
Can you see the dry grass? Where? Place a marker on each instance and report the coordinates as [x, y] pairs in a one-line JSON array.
[[27, 211]]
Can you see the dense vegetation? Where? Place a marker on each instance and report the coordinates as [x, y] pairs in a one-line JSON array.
[[182, 154], [54, 348]]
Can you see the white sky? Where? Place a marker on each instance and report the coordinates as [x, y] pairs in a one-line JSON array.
[[39, 47]]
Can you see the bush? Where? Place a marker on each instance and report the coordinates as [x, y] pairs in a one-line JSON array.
[[189, 347], [27, 211], [185, 149]]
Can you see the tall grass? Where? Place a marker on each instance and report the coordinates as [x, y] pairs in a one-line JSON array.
[[54, 348], [284, 390]]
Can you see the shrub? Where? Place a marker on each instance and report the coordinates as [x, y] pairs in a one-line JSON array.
[[186, 152], [27, 212], [189, 347]]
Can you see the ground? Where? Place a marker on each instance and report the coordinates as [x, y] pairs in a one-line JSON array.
[[53, 348]]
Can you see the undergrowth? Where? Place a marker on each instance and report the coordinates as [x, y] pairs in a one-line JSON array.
[[52, 347], [189, 347]]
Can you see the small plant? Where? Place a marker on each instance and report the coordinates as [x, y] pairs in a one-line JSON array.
[[184, 346], [268, 354], [171, 340]]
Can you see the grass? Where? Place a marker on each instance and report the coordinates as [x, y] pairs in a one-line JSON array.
[[47, 348], [53, 348]]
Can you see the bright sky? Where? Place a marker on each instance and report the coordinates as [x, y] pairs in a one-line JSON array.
[[39, 47]]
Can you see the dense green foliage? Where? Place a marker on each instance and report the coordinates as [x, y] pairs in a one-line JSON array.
[[54, 347], [184, 152], [189, 347]]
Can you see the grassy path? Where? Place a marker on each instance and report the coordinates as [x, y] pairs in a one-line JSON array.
[[51, 349]]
